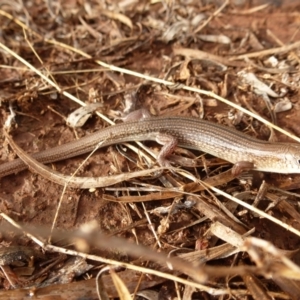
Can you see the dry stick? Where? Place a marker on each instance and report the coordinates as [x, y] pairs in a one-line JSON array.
[[255, 210], [251, 10], [277, 50], [97, 238], [218, 11]]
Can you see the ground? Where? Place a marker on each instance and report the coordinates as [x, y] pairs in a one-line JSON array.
[[87, 51]]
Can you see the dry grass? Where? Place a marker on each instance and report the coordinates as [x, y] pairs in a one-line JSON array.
[[228, 64]]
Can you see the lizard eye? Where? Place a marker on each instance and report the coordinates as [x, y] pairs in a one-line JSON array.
[[299, 161]]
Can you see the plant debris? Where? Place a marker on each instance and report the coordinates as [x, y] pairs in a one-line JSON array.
[[196, 227]]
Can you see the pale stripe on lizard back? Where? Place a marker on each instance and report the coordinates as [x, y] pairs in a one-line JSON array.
[[221, 141]]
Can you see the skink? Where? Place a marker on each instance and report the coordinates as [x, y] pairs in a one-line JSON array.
[[192, 133]]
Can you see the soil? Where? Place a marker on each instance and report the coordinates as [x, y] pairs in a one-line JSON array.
[[146, 47]]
